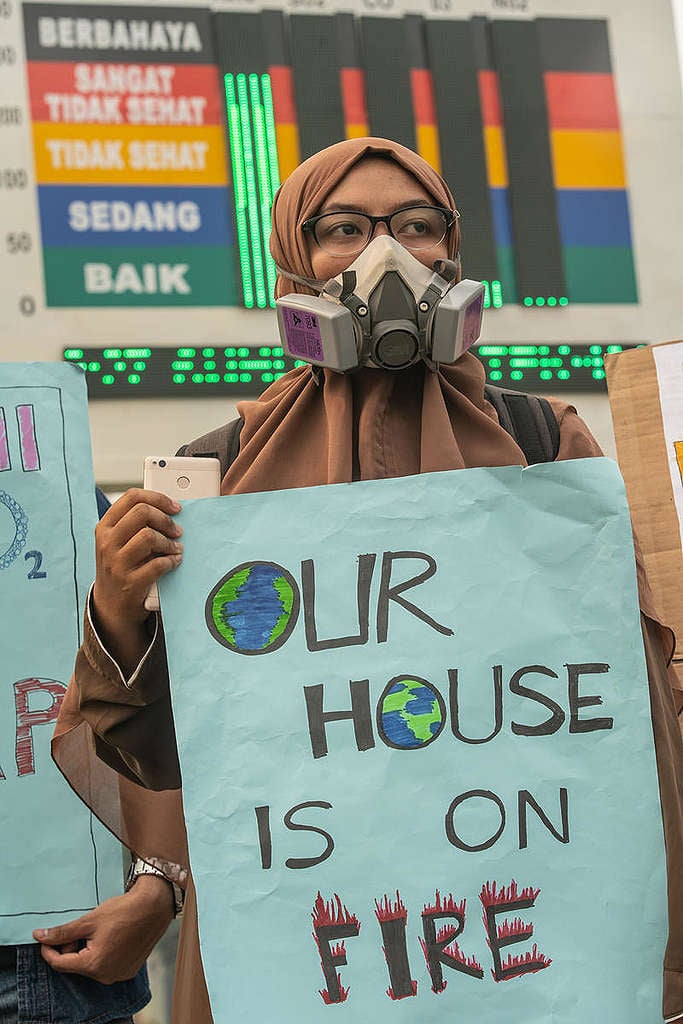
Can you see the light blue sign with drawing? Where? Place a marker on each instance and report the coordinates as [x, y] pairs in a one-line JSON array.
[[56, 861], [416, 747]]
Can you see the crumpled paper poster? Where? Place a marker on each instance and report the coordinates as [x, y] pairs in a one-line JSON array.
[[414, 730], [56, 860]]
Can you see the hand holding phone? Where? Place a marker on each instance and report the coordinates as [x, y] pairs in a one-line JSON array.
[[182, 478]]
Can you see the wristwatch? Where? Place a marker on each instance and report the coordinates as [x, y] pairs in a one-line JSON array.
[[142, 867]]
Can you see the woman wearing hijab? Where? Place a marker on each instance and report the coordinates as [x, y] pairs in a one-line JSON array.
[[311, 427]]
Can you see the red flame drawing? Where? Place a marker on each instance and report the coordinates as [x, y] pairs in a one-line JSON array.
[[491, 895], [520, 963], [517, 927], [390, 991], [331, 913], [526, 963], [453, 950], [326, 995], [447, 905], [385, 910], [448, 931]]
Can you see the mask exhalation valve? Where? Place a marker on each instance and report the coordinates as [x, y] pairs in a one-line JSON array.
[[395, 341], [395, 344]]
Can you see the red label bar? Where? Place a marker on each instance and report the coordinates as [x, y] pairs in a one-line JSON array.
[[98, 93], [423, 96], [353, 96], [489, 97], [284, 108], [581, 101]]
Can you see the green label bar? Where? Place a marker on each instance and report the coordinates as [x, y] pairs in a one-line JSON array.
[[168, 276]]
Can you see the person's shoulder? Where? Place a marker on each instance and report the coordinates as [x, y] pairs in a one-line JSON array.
[[222, 443], [576, 439]]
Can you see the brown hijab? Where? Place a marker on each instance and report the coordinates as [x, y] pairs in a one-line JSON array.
[[310, 184], [311, 428]]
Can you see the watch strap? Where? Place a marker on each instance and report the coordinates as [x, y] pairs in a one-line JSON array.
[[140, 867]]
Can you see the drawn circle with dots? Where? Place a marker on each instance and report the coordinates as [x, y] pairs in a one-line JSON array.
[[20, 529]]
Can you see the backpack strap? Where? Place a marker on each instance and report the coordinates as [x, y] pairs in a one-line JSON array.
[[529, 419], [222, 444]]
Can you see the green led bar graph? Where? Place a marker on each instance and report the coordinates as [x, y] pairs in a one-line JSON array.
[[240, 370], [493, 294], [256, 178]]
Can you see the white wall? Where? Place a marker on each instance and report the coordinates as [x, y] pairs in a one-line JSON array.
[[678, 22]]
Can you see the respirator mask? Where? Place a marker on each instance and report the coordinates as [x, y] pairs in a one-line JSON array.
[[387, 310]]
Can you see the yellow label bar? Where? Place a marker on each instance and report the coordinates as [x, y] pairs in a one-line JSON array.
[[357, 131], [287, 138], [428, 144], [678, 445], [588, 159], [129, 155], [496, 161]]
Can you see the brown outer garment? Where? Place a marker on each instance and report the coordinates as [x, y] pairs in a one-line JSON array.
[[312, 429]]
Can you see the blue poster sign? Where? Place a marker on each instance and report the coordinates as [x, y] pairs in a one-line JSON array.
[[412, 728], [57, 861]]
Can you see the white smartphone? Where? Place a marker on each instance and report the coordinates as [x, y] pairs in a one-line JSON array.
[[181, 477]]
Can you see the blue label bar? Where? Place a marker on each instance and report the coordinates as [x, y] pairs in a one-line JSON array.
[[502, 218], [594, 217], [92, 215]]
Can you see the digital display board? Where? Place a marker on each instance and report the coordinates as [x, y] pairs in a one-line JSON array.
[[235, 370]]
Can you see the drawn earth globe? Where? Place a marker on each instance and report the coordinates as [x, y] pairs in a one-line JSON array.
[[411, 713], [253, 608]]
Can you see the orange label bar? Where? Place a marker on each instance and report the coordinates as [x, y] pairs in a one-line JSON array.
[[129, 155], [588, 159], [288, 155], [428, 144], [496, 160]]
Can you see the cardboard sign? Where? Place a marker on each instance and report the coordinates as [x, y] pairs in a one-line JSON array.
[[646, 398], [416, 747], [56, 860]]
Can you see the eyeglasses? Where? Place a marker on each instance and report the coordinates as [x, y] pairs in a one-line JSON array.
[[346, 232]]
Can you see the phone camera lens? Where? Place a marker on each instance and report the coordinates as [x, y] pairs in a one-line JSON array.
[[162, 462]]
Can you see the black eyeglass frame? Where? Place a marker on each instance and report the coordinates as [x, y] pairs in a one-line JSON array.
[[310, 224]]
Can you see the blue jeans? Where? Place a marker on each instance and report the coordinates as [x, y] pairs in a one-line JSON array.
[[32, 993]]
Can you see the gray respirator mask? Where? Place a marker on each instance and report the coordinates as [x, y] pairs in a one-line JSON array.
[[387, 310]]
